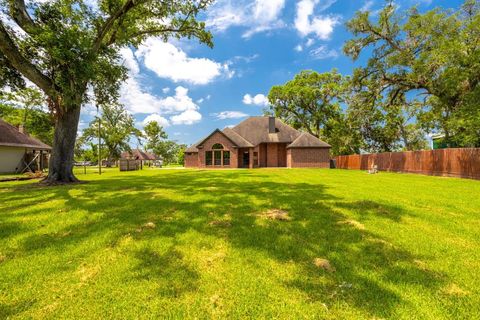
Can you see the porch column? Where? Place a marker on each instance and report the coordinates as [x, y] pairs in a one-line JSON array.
[[250, 155]]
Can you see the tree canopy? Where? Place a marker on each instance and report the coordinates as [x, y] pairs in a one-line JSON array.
[[426, 64], [422, 76], [157, 142], [65, 47], [117, 128], [26, 107]]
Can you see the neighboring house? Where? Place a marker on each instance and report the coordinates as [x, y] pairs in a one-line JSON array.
[[258, 142], [143, 156], [20, 152]]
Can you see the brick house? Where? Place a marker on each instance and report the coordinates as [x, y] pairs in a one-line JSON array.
[[258, 142]]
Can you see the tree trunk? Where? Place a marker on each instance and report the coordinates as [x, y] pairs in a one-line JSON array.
[[60, 169]]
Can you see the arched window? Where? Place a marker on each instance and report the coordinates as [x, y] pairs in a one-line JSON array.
[[217, 156]]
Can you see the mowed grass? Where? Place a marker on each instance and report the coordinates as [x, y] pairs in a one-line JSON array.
[[198, 244]]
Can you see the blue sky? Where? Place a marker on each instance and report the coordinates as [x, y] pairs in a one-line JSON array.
[[192, 89]]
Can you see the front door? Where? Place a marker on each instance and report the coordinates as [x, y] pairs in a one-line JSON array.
[[246, 159]]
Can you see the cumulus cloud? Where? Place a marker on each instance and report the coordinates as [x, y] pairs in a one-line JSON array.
[[259, 99], [257, 16], [307, 23], [187, 117], [170, 62], [157, 118], [179, 107], [229, 115]]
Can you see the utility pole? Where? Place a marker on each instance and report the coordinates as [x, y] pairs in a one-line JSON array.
[[99, 145]]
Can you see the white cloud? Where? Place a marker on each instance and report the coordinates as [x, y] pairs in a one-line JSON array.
[[309, 42], [129, 61], [187, 117], [298, 48], [257, 16], [229, 115], [259, 99], [170, 62], [200, 100], [166, 90], [306, 23], [323, 52], [367, 5], [180, 106], [157, 118]]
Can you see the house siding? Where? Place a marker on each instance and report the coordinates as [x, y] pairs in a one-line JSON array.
[[308, 158], [11, 159], [218, 137]]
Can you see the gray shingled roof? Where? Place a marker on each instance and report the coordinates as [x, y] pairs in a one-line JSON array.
[[255, 130], [11, 137], [192, 148], [138, 155], [306, 140], [237, 139]]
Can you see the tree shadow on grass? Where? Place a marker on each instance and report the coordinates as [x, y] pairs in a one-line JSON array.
[[316, 229], [168, 270]]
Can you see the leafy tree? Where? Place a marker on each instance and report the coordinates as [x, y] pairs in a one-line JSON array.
[[312, 102], [26, 107], [117, 127], [385, 127], [154, 134], [26, 99], [181, 153], [65, 47], [157, 141], [423, 64]]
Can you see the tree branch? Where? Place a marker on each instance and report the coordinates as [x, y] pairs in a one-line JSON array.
[[25, 67], [20, 15], [102, 32]]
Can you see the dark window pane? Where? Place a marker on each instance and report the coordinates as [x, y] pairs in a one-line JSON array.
[[208, 158], [217, 146], [217, 158], [226, 158]]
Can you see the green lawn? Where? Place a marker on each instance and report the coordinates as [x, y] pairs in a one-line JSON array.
[[198, 244]]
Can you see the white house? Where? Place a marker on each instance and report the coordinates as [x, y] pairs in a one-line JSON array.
[[20, 152]]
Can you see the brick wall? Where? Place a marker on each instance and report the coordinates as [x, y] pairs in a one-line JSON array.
[[272, 155], [308, 158], [218, 137], [262, 155], [191, 160]]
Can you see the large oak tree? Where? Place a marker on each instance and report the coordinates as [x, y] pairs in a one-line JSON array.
[[66, 47], [428, 61]]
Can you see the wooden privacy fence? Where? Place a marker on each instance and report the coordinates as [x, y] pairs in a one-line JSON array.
[[129, 164], [464, 163]]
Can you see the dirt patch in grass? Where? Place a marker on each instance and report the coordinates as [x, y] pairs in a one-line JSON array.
[[353, 223], [220, 223], [87, 272], [276, 214], [420, 264], [2, 258], [454, 290], [147, 226], [323, 264]]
